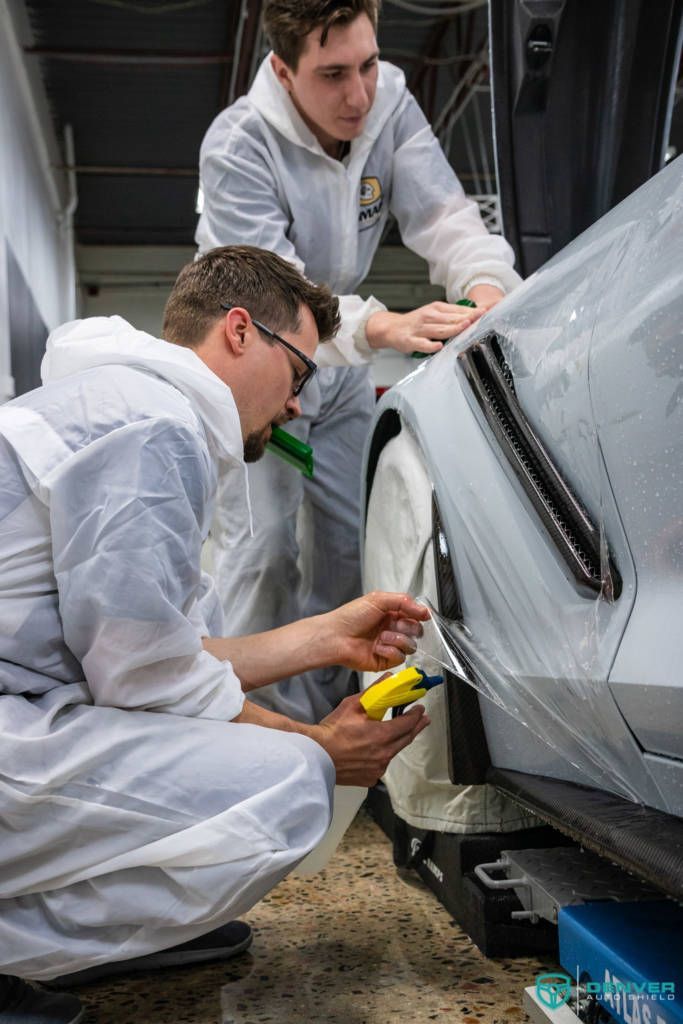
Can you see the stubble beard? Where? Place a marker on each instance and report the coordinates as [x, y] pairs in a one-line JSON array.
[[255, 444]]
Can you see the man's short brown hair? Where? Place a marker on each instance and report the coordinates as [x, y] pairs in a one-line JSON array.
[[268, 287], [288, 22]]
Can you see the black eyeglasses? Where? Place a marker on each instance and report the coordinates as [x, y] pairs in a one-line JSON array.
[[311, 367]]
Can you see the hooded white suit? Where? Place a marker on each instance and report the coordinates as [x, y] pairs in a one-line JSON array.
[[135, 815], [267, 182]]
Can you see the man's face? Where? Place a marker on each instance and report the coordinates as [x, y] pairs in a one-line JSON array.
[[334, 85], [274, 374]]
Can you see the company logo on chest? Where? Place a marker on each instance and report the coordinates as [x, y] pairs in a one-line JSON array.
[[371, 203]]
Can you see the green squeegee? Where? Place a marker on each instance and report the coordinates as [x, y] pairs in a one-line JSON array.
[[292, 450]]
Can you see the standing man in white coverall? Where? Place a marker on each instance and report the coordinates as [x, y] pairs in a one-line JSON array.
[[144, 802], [309, 164]]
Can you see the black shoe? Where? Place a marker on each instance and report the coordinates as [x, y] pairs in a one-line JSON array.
[[22, 1003], [220, 944]]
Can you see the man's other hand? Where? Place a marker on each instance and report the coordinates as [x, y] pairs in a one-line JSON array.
[[362, 748], [374, 632], [422, 330]]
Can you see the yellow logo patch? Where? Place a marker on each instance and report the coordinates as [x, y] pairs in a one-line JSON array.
[[370, 191]]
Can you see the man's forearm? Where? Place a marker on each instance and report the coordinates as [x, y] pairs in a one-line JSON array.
[[253, 714], [267, 657], [371, 634]]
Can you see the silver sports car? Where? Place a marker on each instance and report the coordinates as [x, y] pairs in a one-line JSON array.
[[529, 477]]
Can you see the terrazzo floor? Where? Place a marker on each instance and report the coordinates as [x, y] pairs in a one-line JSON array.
[[356, 944]]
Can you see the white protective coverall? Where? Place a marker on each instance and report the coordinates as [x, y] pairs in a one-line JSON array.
[[267, 182], [134, 815]]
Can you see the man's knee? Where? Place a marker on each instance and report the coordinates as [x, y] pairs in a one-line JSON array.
[[311, 761], [310, 775]]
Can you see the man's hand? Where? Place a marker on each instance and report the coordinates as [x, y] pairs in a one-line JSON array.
[[374, 632], [370, 634], [422, 330], [362, 748], [485, 296]]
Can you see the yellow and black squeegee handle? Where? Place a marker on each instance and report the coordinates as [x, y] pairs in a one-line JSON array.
[[402, 688], [292, 450]]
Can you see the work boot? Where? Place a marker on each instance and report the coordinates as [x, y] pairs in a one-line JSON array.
[[220, 944], [24, 1003]]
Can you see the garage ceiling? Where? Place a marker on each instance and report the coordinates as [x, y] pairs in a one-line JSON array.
[[139, 81]]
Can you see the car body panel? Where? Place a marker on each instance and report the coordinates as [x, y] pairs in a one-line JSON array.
[[545, 647]]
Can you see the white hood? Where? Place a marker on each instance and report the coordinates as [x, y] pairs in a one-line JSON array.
[[274, 104], [103, 341]]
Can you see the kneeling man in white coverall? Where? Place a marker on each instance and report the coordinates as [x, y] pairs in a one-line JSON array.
[[309, 164], [145, 802]]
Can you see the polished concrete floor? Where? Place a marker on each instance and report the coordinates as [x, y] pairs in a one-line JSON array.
[[355, 944]]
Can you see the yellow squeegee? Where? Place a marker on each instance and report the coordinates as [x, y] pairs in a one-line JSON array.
[[401, 688]]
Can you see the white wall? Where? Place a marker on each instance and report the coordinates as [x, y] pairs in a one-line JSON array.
[[32, 198], [134, 282]]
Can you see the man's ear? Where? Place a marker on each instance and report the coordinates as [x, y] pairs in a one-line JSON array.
[[235, 327], [283, 73]]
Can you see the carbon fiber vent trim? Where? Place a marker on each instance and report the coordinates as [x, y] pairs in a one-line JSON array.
[[468, 753], [574, 534], [647, 842]]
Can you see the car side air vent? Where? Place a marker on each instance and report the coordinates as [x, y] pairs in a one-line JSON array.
[[505, 370], [576, 537]]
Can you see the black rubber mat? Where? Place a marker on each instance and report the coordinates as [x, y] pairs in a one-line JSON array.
[[646, 842]]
